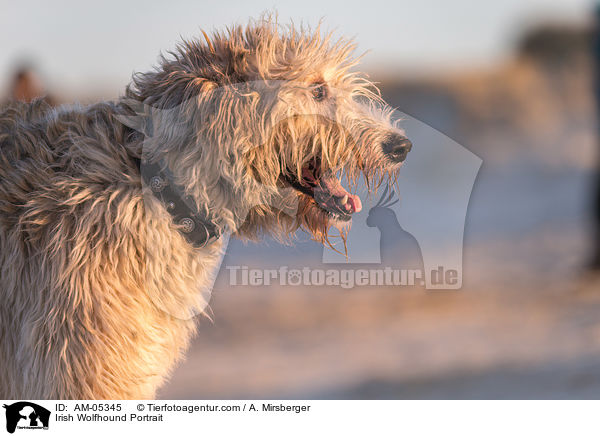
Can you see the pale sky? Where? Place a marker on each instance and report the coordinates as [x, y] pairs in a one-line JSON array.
[[81, 45]]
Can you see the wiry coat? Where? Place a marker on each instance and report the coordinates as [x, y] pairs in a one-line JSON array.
[[79, 314], [93, 273]]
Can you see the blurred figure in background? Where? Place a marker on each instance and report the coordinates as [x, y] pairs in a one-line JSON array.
[[27, 86], [595, 263]]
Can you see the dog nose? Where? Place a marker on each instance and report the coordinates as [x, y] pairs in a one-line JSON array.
[[396, 147]]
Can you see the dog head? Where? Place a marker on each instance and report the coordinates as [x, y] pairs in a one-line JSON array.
[[263, 124]]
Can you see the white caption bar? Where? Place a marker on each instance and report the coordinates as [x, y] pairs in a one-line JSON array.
[[300, 417]]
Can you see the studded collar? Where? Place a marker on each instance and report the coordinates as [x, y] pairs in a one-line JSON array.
[[193, 225]]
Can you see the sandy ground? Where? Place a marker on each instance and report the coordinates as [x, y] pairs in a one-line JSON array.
[[390, 343]]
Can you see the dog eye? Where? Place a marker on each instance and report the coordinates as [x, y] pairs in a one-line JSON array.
[[319, 92]]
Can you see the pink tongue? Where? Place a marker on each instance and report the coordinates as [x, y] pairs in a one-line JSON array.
[[355, 203], [330, 184]]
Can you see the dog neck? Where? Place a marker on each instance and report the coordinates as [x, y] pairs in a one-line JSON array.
[[197, 228]]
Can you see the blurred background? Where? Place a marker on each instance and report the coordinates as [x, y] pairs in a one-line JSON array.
[[513, 81]]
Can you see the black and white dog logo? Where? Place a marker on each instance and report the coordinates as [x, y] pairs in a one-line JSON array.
[[26, 415]]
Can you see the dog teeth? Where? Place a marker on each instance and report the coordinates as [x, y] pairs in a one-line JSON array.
[[344, 200]]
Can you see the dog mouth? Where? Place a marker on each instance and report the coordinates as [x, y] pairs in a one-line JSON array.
[[326, 190]]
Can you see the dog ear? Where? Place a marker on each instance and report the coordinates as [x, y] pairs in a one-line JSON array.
[[168, 88]]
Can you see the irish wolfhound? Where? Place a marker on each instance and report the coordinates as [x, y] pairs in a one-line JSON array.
[[113, 216]]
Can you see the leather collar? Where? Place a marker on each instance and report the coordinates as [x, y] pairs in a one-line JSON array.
[[193, 225]]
